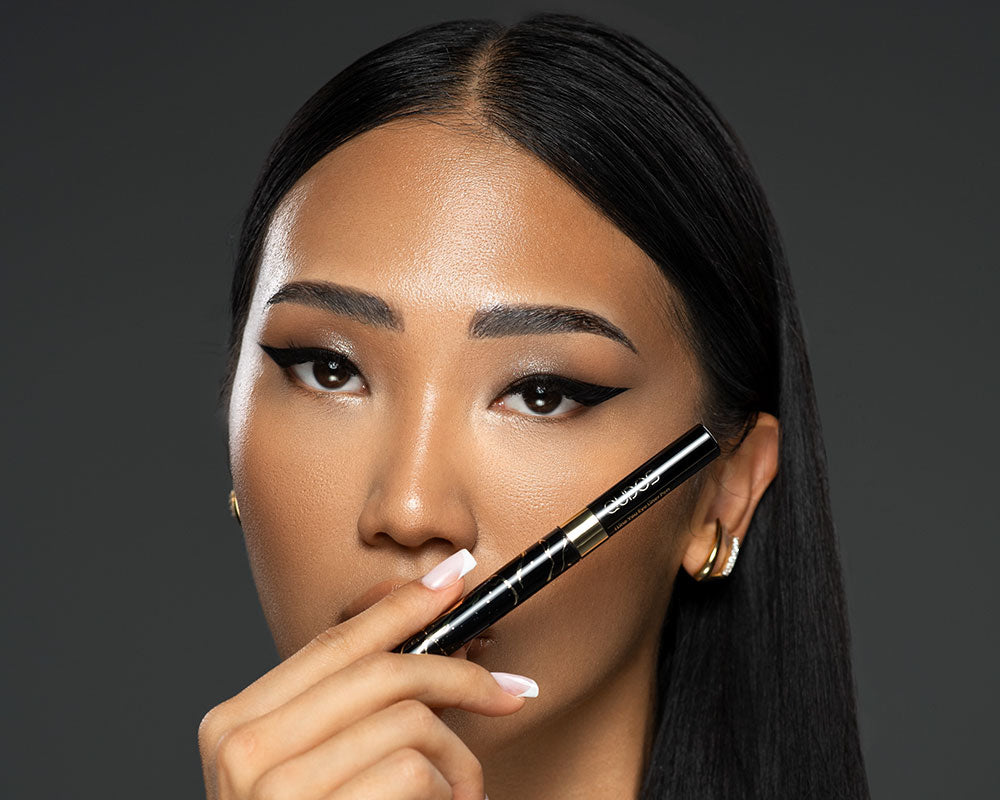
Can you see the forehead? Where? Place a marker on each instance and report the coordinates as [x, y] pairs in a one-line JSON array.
[[434, 217]]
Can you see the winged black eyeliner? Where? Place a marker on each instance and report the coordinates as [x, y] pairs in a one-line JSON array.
[[588, 394]]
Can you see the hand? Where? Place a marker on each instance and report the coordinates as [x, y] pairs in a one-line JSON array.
[[343, 718]]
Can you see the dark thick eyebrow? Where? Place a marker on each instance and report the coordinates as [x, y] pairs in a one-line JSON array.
[[504, 320], [495, 321], [343, 300]]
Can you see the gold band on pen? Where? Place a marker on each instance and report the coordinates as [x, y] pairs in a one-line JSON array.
[[584, 531]]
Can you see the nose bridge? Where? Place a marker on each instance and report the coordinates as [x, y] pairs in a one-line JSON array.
[[418, 489], [422, 427]]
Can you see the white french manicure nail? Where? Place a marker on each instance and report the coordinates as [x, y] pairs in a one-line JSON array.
[[517, 685], [450, 570]]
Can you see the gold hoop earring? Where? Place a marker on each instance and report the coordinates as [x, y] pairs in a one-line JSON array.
[[234, 507], [705, 573]]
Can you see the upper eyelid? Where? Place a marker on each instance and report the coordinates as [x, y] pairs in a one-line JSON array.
[[301, 355], [556, 380]]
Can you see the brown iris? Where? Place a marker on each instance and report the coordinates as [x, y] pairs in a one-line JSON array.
[[543, 399], [331, 373]]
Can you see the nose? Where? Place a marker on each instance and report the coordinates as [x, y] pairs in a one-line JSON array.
[[421, 482]]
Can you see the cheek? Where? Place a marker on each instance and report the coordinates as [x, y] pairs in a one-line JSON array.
[[578, 631], [300, 483], [593, 630], [598, 613]]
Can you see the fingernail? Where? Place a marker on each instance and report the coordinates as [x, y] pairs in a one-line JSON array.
[[517, 685], [449, 570]]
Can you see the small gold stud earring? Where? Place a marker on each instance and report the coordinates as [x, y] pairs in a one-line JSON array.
[[234, 507]]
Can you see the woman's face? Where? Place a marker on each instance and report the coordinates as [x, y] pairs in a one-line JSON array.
[[373, 469]]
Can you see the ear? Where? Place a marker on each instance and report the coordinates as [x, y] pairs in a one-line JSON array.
[[735, 486]]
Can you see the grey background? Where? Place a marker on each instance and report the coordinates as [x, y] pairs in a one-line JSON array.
[[131, 136]]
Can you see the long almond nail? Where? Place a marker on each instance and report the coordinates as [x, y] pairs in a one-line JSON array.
[[517, 685], [449, 570]]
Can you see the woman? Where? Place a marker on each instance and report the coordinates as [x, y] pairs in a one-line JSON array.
[[485, 273]]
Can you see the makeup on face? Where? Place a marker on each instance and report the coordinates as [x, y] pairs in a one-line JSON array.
[[551, 556]]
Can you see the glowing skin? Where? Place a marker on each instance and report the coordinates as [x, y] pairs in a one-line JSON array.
[[424, 454]]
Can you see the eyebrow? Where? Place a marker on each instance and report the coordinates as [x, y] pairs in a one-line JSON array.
[[486, 323]]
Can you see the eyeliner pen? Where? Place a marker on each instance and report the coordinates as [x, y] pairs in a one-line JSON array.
[[551, 556]]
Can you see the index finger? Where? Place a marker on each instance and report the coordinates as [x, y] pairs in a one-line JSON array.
[[394, 618]]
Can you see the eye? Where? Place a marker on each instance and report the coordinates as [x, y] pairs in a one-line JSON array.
[[327, 371], [543, 395]]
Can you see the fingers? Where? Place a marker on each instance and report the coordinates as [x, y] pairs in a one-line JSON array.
[[369, 685], [408, 724], [391, 620], [369, 710], [404, 775]]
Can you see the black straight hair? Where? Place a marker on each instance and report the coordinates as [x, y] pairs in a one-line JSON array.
[[755, 696]]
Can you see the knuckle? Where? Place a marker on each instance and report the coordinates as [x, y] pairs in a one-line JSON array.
[[415, 770], [236, 749], [332, 639], [416, 715], [212, 728], [475, 679], [207, 731], [380, 666]]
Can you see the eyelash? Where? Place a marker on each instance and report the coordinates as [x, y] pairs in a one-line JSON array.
[[587, 394]]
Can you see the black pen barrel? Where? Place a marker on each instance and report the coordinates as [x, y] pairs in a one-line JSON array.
[[507, 588], [541, 563], [662, 473]]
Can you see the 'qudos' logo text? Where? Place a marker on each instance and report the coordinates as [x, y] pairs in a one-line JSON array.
[[632, 492]]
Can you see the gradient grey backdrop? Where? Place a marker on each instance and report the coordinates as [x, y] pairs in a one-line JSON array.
[[131, 136]]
